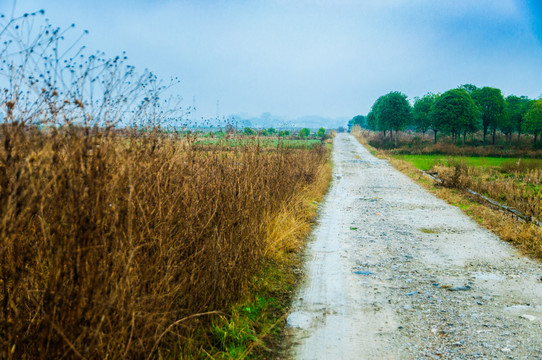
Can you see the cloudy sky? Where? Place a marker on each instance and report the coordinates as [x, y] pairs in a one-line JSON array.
[[313, 57]]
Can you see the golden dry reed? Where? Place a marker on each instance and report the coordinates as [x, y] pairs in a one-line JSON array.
[[519, 189], [115, 244]]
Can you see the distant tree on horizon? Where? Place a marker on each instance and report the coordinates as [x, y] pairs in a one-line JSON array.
[[283, 133], [249, 131], [303, 133], [321, 132], [359, 120]]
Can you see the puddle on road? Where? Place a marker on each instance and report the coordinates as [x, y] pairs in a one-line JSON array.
[[359, 272]]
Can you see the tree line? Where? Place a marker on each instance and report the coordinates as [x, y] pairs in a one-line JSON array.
[[457, 112]]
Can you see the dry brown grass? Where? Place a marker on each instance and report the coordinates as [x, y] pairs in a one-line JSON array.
[[115, 245], [519, 189]]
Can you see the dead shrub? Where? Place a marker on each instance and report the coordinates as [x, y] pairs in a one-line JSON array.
[[454, 176], [110, 239]]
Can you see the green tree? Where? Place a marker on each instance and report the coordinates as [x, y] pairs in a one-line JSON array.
[[492, 107], [321, 132], [304, 132], [533, 119], [373, 117], [421, 111], [454, 112], [505, 125], [394, 113], [517, 108], [249, 131], [371, 121], [284, 133], [469, 88], [268, 132], [359, 120]]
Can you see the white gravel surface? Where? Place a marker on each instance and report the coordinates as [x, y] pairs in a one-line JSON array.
[[392, 272]]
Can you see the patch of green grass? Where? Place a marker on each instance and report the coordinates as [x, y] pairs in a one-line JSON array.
[[246, 330], [235, 335], [426, 162], [463, 206], [263, 142], [429, 231]]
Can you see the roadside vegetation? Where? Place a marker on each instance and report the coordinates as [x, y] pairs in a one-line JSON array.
[[467, 115], [473, 140], [119, 239], [513, 182]]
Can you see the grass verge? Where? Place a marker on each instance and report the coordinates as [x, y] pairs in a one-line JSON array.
[[254, 327]]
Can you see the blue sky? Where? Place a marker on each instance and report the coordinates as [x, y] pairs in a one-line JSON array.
[[317, 57]]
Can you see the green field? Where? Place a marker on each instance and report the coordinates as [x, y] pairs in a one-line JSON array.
[[263, 142], [426, 162]]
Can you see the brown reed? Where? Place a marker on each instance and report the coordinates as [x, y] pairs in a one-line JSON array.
[[116, 244]]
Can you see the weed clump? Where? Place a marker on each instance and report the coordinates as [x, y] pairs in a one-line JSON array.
[[456, 175]]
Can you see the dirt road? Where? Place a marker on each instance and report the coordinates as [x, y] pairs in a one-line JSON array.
[[394, 273]]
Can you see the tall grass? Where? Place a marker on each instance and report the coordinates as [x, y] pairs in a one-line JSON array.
[[517, 186], [112, 243]]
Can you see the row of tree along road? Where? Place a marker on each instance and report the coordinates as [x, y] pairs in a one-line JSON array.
[[457, 112]]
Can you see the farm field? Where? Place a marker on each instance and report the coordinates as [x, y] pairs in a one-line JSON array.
[[127, 232], [426, 162], [264, 142]]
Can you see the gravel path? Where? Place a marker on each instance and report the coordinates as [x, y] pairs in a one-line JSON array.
[[394, 273]]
